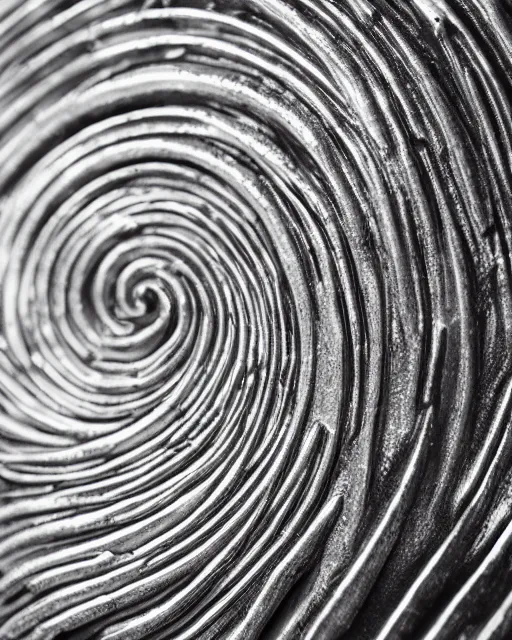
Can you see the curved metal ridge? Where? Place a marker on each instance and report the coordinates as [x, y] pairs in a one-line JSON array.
[[255, 319]]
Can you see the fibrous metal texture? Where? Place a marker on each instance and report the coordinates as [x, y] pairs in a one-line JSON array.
[[255, 319]]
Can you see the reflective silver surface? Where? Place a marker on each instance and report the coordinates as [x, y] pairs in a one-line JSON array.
[[255, 319]]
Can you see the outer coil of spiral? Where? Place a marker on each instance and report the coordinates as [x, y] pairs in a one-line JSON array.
[[255, 319]]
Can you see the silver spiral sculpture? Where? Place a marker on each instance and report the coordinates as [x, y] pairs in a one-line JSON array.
[[255, 319]]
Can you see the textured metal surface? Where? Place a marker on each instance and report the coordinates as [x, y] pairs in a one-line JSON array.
[[255, 319]]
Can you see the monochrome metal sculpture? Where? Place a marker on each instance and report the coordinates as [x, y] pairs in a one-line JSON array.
[[255, 319]]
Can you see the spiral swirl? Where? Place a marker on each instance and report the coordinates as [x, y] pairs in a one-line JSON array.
[[255, 318]]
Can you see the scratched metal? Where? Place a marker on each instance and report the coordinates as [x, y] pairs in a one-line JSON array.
[[255, 319]]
